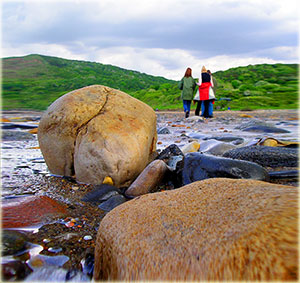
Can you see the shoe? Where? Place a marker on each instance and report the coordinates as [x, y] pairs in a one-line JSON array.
[[187, 114]]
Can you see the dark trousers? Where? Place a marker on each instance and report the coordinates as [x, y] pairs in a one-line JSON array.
[[198, 108]]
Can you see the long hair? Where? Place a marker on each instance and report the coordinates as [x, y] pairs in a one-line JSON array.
[[203, 70], [188, 72]]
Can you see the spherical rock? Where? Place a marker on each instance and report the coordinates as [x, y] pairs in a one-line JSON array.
[[97, 131], [217, 229]]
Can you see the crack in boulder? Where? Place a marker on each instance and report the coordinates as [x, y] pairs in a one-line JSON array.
[[84, 125]]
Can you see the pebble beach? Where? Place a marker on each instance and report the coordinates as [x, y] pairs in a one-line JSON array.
[[62, 244]]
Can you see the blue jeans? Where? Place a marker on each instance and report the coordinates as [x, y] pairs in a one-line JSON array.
[[187, 105], [210, 108]]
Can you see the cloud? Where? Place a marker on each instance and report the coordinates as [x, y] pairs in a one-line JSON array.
[[156, 37]]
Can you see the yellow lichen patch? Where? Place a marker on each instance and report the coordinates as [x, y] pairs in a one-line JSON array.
[[270, 142], [246, 116], [108, 180], [5, 120], [16, 118], [191, 147], [33, 131], [275, 142]]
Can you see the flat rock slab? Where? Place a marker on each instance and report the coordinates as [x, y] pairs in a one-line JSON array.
[[267, 156], [10, 135], [30, 211], [197, 166]]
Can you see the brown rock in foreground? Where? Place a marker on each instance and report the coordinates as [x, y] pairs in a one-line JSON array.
[[216, 229]]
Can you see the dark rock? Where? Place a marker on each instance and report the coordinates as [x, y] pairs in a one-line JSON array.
[[171, 150], [8, 126], [286, 123], [251, 123], [112, 202], [285, 174], [15, 270], [236, 140], [197, 166], [13, 242], [163, 131], [260, 126], [265, 129], [267, 156], [88, 263], [37, 160], [16, 136], [70, 179], [100, 194], [73, 275], [197, 136]]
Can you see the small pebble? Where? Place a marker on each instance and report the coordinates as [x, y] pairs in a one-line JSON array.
[[54, 250], [87, 238]]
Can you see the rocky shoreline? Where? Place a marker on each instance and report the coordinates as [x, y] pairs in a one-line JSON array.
[[73, 234]]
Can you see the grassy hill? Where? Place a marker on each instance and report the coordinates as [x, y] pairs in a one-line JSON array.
[[244, 88], [35, 81]]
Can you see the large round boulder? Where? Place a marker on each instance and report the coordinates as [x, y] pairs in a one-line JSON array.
[[213, 230], [97, 131]]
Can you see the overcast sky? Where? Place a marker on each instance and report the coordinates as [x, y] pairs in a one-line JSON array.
[[157, 37]]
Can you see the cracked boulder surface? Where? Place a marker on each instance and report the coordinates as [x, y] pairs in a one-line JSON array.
[[97, 131]]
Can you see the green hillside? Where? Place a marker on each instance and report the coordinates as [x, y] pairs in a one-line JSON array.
[[244, 88], [35, 81], [260, 86]]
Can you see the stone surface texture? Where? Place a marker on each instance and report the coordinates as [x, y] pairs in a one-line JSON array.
[[148, 180], [30, 211], [96, 131], [216, 229]]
